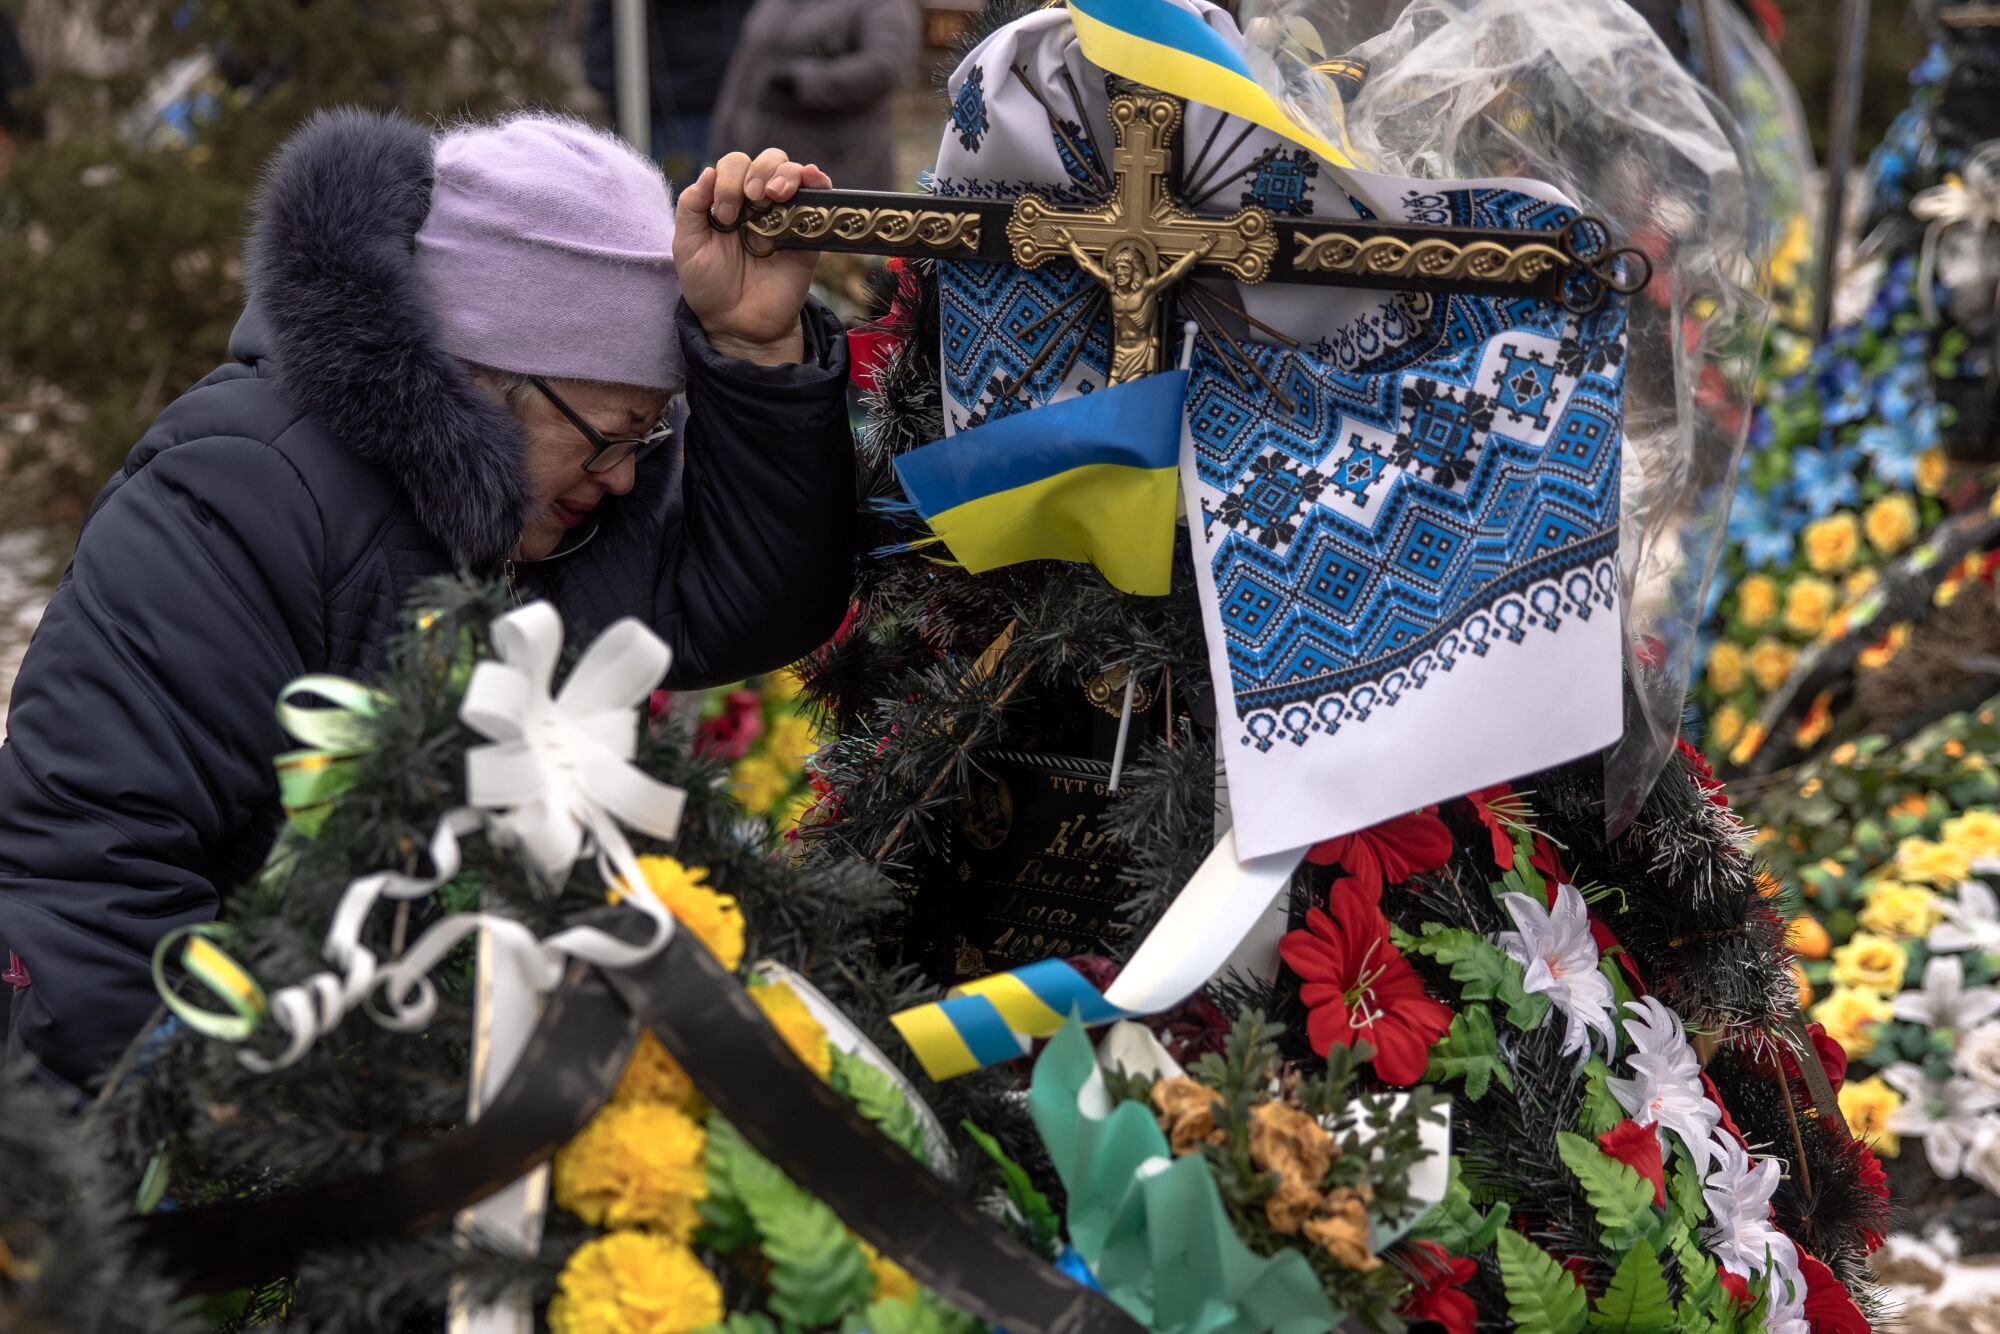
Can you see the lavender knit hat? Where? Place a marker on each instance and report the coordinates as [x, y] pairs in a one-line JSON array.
[[549, 250]]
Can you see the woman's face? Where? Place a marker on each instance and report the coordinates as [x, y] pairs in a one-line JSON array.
[[561, 494]]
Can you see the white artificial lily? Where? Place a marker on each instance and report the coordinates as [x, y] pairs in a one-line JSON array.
[[1971, 922], [1741, 1235], [1945, 1002], [1561, 962], [1944, 1113], [1665, 1089]]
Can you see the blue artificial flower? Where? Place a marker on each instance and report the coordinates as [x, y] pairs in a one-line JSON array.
[[1825, 479], [1894, 447], [1843, 392], [1761, 430], [1899, 393], [1760, 527], [1932, 68]]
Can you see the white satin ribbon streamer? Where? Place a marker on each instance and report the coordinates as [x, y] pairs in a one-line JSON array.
[[558, 783]]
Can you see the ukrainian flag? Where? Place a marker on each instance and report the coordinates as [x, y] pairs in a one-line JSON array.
[[1163, 46], [1093, 478]]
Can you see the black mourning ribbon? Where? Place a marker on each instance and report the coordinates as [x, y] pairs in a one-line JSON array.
[[701, 1013]]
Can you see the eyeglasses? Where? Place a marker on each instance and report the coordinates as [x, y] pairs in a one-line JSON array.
[[606, 453]]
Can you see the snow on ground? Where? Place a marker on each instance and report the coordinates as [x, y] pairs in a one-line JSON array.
[[1941, 1291]]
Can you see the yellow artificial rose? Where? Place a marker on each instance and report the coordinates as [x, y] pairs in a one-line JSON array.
[[1808, 938], [1756, 600], [1854, 585], [1808, 602], [1816, 724], [1976, 834], [1770, 663], [1849, 1016], [634, 1283], [1896, 909], [1832, 543], [1871, 963], [1726, 726], [1891, 523], [1725, 667], [1931, 470], [1930, 863], [1867, 1103]]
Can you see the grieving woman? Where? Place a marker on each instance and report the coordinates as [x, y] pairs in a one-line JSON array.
[[462, 352]]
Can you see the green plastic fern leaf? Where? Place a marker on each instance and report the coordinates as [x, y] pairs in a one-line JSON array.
[[876, 1096], [1470, 1051], [1542, 1297]]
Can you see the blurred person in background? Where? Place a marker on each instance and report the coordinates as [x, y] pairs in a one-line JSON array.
[[688, 45], [817, 78], [458, 353]]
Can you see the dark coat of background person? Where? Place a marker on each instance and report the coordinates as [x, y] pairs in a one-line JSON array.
[[275, 521], [816, 78], [688, 45]]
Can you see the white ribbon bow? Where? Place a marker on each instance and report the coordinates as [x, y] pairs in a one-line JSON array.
[[557, 782], [1971, 200]]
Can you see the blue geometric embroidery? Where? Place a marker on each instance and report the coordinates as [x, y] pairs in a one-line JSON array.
[[996, 321], [968, 110], [1467, 494], [1079, 157], [1283, 183]]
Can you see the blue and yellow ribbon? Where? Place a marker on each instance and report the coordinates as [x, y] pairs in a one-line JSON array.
[[225, 979], [336, 736], [1163, 46], [996, 1019]]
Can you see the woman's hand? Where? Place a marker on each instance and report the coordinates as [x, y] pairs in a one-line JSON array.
[[748, 306]]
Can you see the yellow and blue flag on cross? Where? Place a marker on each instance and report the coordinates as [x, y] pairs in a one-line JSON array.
[[1093, 478], [1169, 48], [995, 1019]]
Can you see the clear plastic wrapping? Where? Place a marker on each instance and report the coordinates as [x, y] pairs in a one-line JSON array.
[[1584, 96]]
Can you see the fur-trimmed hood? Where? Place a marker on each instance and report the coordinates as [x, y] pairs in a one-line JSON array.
[[353, 339]]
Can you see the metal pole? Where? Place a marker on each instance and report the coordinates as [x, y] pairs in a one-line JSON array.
[[628, 40], [1843, 114]]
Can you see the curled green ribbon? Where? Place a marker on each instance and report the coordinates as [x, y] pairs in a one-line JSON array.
[[227, 980], [337, 735]]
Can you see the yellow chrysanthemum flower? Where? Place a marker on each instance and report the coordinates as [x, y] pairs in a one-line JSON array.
[[1931, 470], [783, 684], [760, 780], [791, 739], [892, 1281], [795, 1024], [1756, 600], [1930, 863], [1849, 1017], [1976, 834], [1808, 602], [1871, 963], [634, 1283], [1725, 667], [713, 916], [1898, 910], [637, 1164], [1726, 726], [1832, 543], [653, 1075], [1867, 1103], [1770, 663]]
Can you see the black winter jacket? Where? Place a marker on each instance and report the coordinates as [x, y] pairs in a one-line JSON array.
[[274, 521]]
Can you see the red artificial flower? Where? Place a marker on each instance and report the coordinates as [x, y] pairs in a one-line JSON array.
[[1638, 1147], [1390, 852], [1832, 1058], [1435, 1294], [1830, 1307], [729, 735], [1543, 859], [1737, 1287], [1704, 776], [1869, 1175], [1358, 988]]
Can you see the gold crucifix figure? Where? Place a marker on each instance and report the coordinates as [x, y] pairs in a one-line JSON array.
[[1140, 242]]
